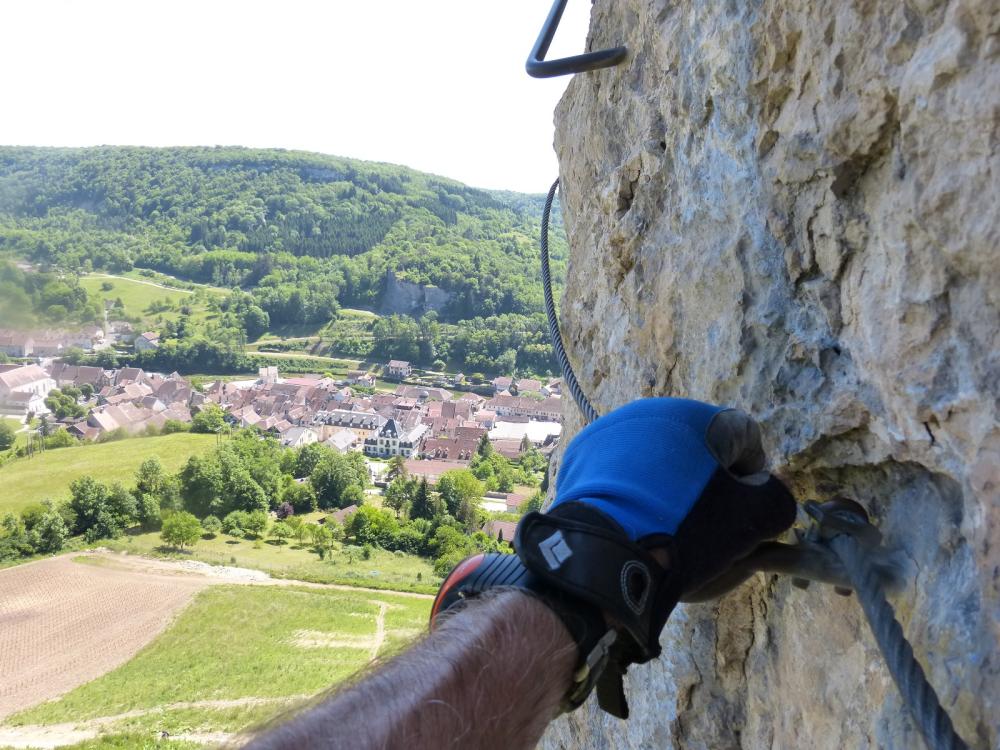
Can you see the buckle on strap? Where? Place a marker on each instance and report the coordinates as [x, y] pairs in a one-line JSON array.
[[587, 674]]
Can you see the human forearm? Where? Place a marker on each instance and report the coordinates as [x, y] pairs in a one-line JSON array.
[[491, 675]]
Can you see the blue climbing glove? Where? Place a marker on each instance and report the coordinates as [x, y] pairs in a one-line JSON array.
[[653, 501]]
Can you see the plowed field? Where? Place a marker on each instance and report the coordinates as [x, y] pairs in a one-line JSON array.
[[63, 623]]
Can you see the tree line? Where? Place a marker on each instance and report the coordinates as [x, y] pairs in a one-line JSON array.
[[235, 488]]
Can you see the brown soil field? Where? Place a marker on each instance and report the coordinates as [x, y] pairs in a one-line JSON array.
[[63, 623], [67, 620]]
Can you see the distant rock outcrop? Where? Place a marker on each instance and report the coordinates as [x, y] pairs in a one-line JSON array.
[[403, 297], [792, 207]]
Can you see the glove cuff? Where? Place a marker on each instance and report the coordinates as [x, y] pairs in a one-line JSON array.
[[581, 551]]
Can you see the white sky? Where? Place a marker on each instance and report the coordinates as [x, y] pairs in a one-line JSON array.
[[438, 86]]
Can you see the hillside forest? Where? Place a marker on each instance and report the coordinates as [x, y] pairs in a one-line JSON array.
[[278, 243]]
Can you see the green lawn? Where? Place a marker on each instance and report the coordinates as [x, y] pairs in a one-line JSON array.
[[158, 277], [353, 312], [28, 480], [383, 570], [137, 295], [291, 642]]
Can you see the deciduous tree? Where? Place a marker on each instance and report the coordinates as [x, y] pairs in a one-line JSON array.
[[180, 529]]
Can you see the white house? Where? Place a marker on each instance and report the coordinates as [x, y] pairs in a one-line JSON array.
[[148, 340], [24, 403], [527, 385], [394, 440], [23, 389], [267, 375], [501, 384], [398, 368], [299, 436], [361, 377], [342, 441]]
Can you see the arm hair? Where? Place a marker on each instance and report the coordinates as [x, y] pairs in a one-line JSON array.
[[491, 675]]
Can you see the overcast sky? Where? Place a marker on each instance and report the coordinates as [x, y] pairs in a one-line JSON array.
[[439, 86]]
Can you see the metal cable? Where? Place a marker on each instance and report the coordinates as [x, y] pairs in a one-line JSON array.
[[589, 413], [919, 696]]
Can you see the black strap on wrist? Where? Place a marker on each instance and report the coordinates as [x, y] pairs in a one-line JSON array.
[[579, 550], [585, 622]]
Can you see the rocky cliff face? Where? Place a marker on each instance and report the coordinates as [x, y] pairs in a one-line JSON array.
[[792, 207], [403, 297]]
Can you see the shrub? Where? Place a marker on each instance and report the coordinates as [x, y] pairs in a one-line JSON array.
[[148, 512], [256, 523], [173, 425], [211, 525], [7, 436], [47, 531], [180, 529], [284, 511], [235, 521], [407, 540], [112, 435], [444, 564], [532, 504], [211, 419], [352, 495], [280, 531], [60, 439], [370, 525], [300, 496]]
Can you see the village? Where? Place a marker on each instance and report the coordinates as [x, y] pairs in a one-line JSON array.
[[433, 429]]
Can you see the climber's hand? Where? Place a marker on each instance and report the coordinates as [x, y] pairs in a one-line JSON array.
[[654, 500]]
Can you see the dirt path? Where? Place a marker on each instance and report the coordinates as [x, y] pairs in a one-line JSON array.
[[323, 639], [57, 735], [140, 281], [296, 355], [219, 573], [379, 629]]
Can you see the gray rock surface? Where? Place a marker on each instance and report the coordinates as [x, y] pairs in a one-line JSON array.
[[407, 298], [792, 207]]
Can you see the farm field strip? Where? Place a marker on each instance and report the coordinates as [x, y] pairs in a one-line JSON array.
[[61, 624], [194, 678]]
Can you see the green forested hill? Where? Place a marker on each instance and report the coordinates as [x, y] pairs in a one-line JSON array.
[[277, 220]]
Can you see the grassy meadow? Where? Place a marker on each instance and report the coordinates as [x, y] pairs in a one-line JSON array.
[[137, 295], [25, 481], [258, 650]]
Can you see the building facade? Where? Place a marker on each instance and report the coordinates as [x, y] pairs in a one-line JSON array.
[[394, 440]]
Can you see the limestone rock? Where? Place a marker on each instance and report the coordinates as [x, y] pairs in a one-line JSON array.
[[792, 207], [407, 298]]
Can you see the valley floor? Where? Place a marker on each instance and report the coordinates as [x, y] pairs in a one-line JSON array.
[[109, 648]]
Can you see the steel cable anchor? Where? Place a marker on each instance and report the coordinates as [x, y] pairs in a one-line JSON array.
[[811, 559]]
